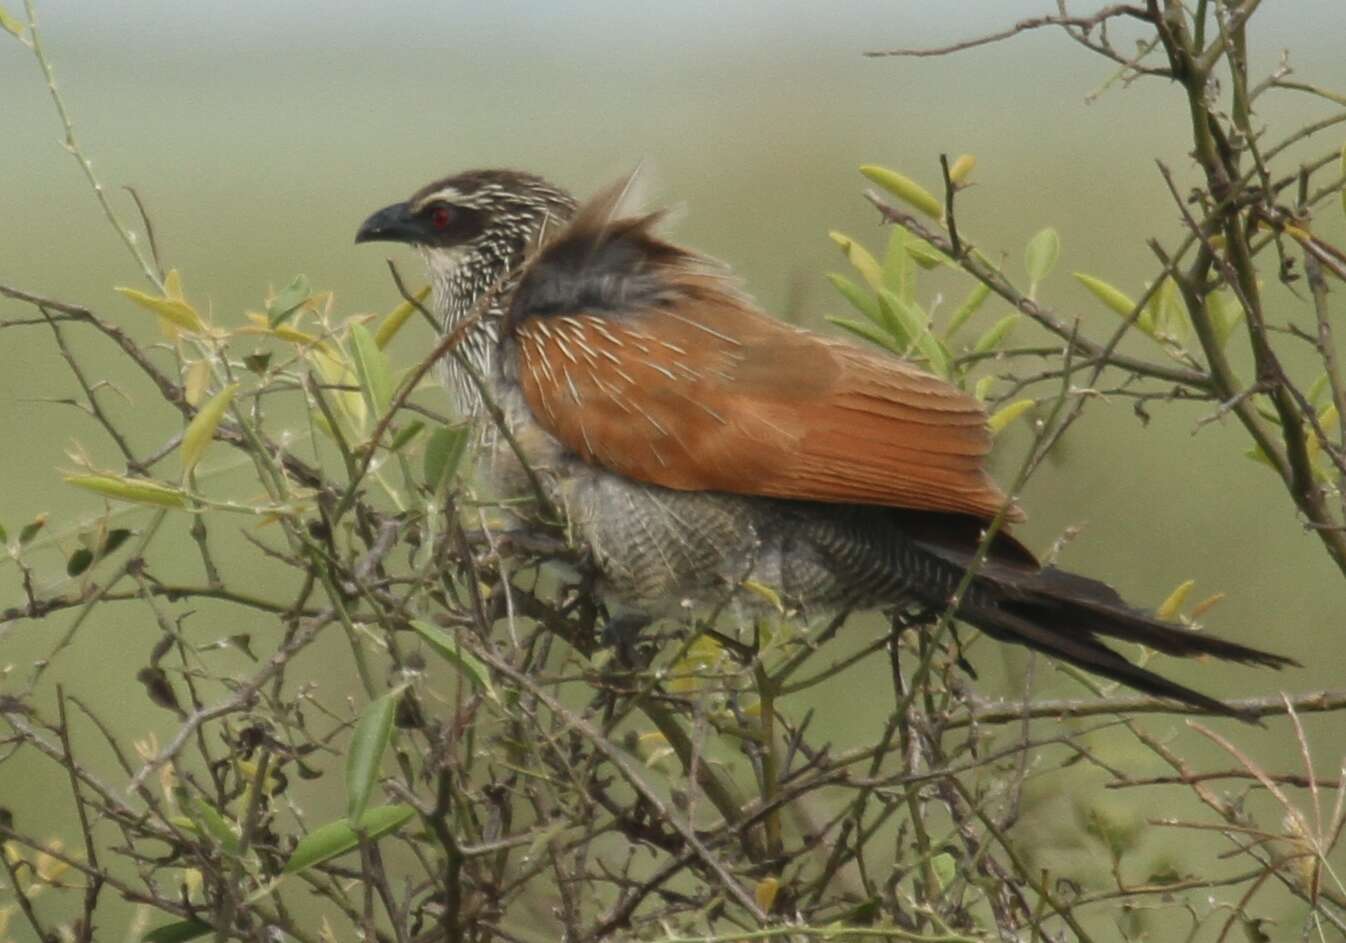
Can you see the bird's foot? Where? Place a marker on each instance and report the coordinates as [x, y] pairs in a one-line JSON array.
[[930, 615], [622, 633]]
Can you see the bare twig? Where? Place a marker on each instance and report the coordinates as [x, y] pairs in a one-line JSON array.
[[1008, 712], [1083, 23]]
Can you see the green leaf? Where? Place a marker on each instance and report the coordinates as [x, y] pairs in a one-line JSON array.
[[871, 334], [706, 653], [1005, 415], [31, 529], [962, 167], [209, 821], [4, 535], [1317, 392], [448, 648], [285, 303], [975, 298], [179, 932], [371, 366], [898, 275], [945, 866], [760, 589], [1166, 313], [365, 759], [337, 838], [443, 454], [765, 892], [1326, 416], [337, 370], [1225, 314], [115, 538], [913, 325], [860, 258], [927, 256], [395, 318], [905, 189], [995, 335], [935, 353], [201, 430], [135, 490], [10, 25], [1166, 871], [1170, 607], [1110, 296], [1257, 454], [1118, 828], [904, 320], [195, 380], [1041, 255], [79, 561], [405, 435], [859, 299], [174, 310]]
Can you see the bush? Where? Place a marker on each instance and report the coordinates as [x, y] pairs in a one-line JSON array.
[[504, 776]]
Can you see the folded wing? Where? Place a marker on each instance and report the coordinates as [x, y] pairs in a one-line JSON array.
[[640, 360]]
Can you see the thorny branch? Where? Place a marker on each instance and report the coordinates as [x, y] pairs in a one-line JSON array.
[[1082, 24], [693, 799]]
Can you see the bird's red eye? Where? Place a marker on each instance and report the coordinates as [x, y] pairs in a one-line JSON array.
[[440, 217]]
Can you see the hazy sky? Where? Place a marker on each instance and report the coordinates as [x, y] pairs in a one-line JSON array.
[[429, 23]]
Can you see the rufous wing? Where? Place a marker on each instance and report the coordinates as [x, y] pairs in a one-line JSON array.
[[700, 391]]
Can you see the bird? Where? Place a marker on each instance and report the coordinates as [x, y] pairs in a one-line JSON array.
[[702, 449]]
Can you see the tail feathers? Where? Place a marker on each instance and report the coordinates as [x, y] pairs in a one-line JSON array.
[[1083, 650], [1068, 616], [1097, 607]]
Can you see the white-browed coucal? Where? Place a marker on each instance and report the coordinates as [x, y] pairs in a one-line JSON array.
[[696, 443]]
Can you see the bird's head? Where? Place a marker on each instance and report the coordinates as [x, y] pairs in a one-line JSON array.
[[489, 217]]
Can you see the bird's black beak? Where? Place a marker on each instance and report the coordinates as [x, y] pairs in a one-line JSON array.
[[391, 224]]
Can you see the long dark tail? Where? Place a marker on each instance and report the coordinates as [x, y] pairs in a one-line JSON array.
[[1068, 616]]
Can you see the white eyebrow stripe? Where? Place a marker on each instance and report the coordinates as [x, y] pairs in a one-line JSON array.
[[446, 195]]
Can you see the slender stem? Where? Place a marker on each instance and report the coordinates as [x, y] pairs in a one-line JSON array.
[[829, 932], [1034, 880], [96, 877], [86, 165], [766, 693], [1327, 349], [976, 266], [628, 772], [984, 713]]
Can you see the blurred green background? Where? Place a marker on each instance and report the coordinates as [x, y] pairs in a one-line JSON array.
[[260, 135]]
